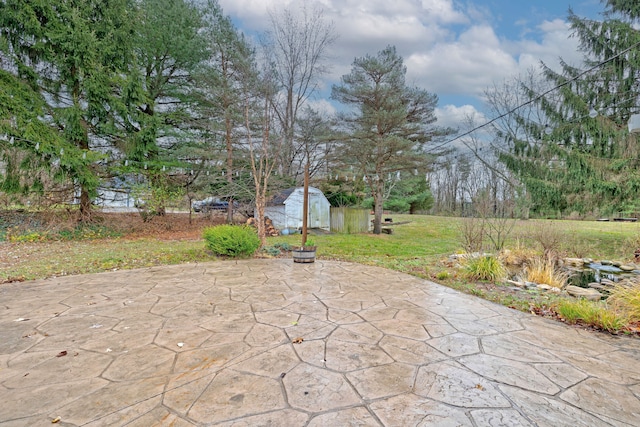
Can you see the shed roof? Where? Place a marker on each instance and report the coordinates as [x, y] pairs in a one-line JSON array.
[[280, 197]]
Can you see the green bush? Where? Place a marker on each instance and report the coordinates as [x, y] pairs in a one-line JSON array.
[[485, 268], [443, 275], [231, 240], [283, 246]]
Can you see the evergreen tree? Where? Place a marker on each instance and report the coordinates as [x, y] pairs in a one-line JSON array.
[[223, 83], [583, 158], [168, 47], [389, 124], [36, 158], [76, 53]]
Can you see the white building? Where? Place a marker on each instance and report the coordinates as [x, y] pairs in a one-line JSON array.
[[285, 209]]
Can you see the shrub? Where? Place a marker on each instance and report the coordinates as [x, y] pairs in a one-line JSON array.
[[549, 237], [593, 313], [27, 237], [472, 231], [486, 267], [543, 270], [518, 255], [231, 240], [272, 250], [443, 275], [283, 246]]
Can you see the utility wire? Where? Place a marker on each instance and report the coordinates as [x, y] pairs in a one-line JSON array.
[[542, 95]]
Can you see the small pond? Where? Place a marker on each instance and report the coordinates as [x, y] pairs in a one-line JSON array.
[[595, 272]]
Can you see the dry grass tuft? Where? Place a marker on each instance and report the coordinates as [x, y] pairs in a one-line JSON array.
[[627, 300], [518, 255], [544, 270]]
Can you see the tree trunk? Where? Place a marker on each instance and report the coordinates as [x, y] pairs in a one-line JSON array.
[[85, 206], [259, 216], [378, 201], [228, 126]]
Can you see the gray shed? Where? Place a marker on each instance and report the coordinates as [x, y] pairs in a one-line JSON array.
[[285, 209]]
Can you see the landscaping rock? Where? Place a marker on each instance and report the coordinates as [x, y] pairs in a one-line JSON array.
[[607, 282], [606, 262], [627, 267], [574, 262], [586, 293], [600, 287], [616, 263], [544, 287], [518, 284]]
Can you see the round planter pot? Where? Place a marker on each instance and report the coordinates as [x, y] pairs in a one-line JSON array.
[[304, 255]]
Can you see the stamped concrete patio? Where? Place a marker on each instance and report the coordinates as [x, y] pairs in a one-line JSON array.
[[273, 343]]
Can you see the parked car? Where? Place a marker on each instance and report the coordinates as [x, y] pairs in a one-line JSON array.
[[210, 204]]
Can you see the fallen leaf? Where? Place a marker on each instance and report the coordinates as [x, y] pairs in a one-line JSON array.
[[479, 387], [56, 420], [62, 353], [298, 340], [21, 319], [95, 326], [294, 323], [180, 344]]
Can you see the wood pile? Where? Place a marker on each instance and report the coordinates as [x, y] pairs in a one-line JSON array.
[[270, 230]]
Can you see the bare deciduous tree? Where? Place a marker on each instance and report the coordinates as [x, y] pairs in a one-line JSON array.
[[298, 45]]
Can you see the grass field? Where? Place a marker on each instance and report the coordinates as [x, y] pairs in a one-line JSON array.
[[424, 240], [420, 247]]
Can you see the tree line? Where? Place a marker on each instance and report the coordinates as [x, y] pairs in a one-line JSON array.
[[169, 95]]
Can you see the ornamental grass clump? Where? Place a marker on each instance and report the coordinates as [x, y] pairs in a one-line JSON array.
[[231, 240], [626, 299], [597, 314], [485, 267], [544, 271]]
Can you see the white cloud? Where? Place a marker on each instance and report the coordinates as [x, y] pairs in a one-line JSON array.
[[462, 117], [464, 66], [449, 48], [555, 43], [323, 106]]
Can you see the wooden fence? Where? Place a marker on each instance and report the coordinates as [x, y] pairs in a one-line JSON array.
[[349, 220]]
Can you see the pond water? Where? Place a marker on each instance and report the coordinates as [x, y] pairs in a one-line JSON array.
[[595, 272]]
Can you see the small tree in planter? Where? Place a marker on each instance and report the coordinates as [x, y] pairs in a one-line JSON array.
[[306, 253]]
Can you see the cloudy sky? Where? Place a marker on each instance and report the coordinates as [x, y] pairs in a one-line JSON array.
[[453, 48]]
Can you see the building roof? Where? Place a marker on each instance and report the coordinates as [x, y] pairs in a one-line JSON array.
[[282, 196], [279, 198]]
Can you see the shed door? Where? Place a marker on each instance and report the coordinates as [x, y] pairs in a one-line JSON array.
[[315, 211]]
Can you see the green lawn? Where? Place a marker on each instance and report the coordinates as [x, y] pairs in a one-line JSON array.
[[420, 247], [421, 244]]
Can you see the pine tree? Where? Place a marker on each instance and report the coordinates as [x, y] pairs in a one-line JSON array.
[[583, 158], [75, 52], [389, 124]]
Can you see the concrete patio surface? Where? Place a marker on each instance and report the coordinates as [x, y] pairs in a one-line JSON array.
[[273, 343]]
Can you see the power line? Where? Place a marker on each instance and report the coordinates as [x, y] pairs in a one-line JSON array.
[[542, 95]]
